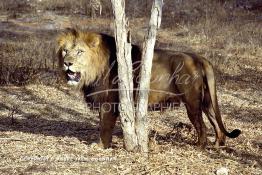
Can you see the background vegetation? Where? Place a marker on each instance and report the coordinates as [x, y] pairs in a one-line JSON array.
[[228, 33]]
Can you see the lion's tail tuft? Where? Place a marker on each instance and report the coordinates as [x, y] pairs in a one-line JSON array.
[[235, 133]]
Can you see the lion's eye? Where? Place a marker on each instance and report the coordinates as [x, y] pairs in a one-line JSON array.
[[64, 52], [79, 52]]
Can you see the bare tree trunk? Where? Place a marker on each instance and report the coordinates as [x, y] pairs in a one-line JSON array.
[[135, 129], [145, 74], [126, 107]]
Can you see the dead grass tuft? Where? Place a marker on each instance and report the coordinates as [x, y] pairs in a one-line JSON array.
[[15, 6], [21, 60]]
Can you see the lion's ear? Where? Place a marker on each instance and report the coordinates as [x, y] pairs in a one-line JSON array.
[[58, 44], [73, 31], [58, 50], [93, 42]]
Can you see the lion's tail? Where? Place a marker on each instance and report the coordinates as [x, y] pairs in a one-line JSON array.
[[211, 87]]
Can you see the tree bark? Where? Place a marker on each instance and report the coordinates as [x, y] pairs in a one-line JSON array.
[[126, 107], [134, 123], [145, 75]]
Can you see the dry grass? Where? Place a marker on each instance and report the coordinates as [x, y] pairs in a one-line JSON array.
[[53, 131], [46, 129], [25, 60], [14, 5], [65, 6]]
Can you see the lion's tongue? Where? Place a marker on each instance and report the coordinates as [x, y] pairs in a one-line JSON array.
[[72, 76]]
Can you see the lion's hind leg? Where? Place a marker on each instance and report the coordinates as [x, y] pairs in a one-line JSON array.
[[194, 112], [210, 113]]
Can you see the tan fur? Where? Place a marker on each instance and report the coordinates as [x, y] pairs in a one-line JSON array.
[[176, 77]]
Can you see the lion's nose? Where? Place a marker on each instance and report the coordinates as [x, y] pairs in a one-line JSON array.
[[68, 64]]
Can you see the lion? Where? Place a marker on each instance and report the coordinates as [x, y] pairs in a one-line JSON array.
[[88, 62]]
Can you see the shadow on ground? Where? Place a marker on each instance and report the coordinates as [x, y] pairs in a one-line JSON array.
[[42, 117], [183, 135]]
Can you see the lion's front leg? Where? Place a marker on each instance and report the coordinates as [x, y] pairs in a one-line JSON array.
[[107, 124]]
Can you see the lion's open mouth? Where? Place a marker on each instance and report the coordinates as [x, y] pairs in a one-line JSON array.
[[73, 76]]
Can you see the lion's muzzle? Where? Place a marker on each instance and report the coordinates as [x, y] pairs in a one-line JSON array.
[[72, 77]]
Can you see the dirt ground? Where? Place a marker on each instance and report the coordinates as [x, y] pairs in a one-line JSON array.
[[47, 128]]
